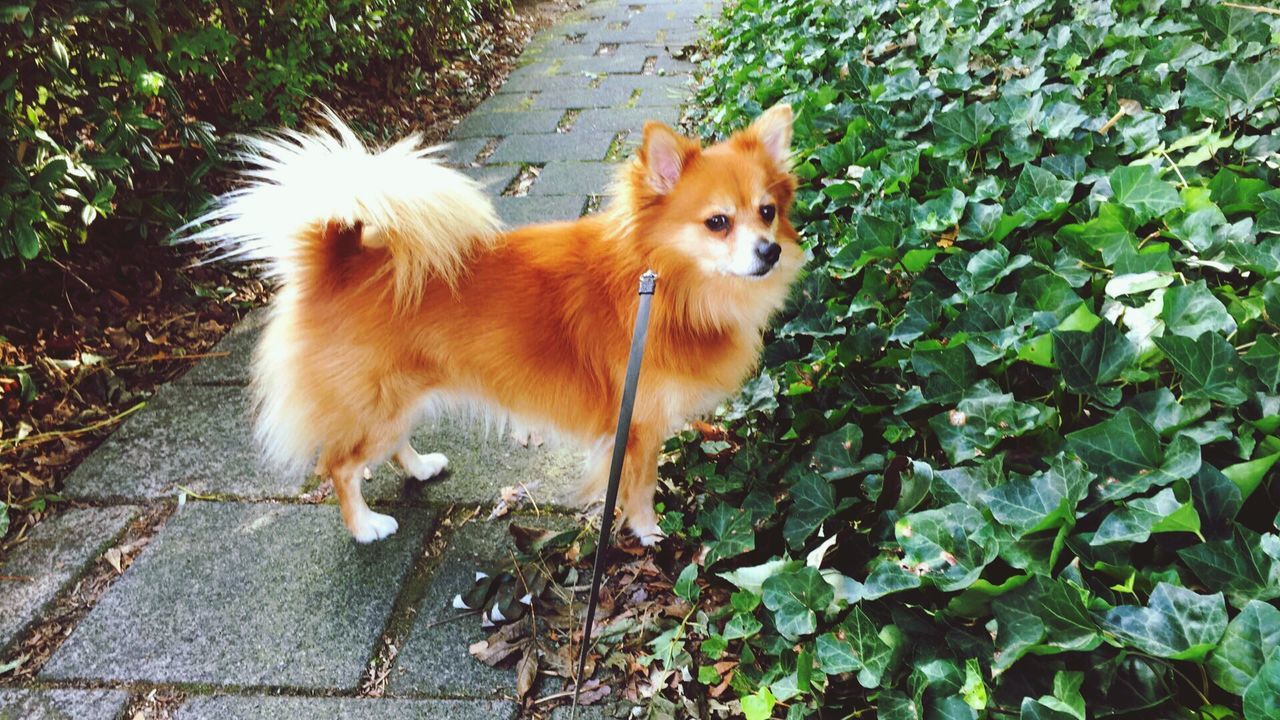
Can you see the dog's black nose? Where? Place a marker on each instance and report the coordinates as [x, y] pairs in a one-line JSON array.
[[768, 251]]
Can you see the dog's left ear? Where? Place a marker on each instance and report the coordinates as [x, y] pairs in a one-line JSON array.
[[773, 130]]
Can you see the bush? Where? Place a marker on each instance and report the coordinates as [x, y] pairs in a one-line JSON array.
[[1014, 449], [115, 107]]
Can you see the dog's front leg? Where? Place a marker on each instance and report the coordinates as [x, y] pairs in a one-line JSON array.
[[638, 483]]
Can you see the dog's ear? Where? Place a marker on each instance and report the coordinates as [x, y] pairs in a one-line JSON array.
[[664, 155], [773, 130]]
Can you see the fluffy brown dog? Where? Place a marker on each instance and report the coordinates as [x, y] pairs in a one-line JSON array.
[[400, 294]]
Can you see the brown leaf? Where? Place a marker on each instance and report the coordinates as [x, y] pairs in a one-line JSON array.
[[526, 673]]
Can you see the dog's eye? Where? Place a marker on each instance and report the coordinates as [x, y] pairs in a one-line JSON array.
[[716, 223], [767, 213]]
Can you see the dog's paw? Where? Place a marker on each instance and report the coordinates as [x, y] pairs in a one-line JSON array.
[[371, 526], [649, 534], [423, 467]]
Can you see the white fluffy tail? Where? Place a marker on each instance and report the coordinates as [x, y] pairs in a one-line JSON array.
[[313, 194], [313, 202]]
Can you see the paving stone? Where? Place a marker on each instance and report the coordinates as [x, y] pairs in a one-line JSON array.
[[579, 58], [231, 707], [615, 120], [233, 368], [62, 704], [577, 80], [502, 103], [246, 594], [599, 97], [56, 552], [464, 152], [195, 436], [671, 66], [494, 178], [649, 84], [517, 211], [574, 178], [485, 125], [592, 712], [481, 461], [435, 660], [627, 35], [552, 147]]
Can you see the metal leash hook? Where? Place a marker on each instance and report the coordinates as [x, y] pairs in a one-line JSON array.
[[647, 283]]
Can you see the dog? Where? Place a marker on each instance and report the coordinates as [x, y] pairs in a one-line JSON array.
[[400, 293]]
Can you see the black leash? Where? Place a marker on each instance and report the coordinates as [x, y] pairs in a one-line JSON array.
[[647, 283]]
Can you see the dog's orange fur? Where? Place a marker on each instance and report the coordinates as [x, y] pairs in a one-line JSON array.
[[538, 322]]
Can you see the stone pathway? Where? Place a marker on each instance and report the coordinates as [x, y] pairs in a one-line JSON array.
[[255, 605]]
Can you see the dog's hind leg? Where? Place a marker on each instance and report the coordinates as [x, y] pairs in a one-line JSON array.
[[347, 472], [420, 466]]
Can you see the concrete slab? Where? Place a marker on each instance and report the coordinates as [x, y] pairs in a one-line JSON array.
[[464, 152], [541, 82], [481, 463], [195, 436], [57, 551], [510, 102], [494, 178], [62, 704], [574, 178], [233, 367], [230, 707], [615, 120], [478, 125], [593, 98], [246, 595], [517, 211], [552, 147], [435, 659]]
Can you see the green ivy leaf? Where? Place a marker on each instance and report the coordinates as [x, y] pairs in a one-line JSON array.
[[1125, 453], [686, 586], [1262, 697], [1264, 356], [1191, 310], [1138, 188], [796, 598], [1139, 518], [1209, 367], [730, 530], [836, 455], [982, 420], [1042, 501], [1250, 639], [1089, 360], [1245, 566], [1177, 623], [948, 547], [813, 501], [1045, 616]]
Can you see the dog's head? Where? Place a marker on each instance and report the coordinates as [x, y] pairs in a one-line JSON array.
[[722, 209]]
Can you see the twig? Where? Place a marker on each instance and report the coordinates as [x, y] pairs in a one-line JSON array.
[[43, 437], [163, 357], [1174, 165], [17, 578], [1255, 8]]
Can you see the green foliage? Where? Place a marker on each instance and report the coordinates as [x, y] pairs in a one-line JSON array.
[[100, 96], [1022, 455]]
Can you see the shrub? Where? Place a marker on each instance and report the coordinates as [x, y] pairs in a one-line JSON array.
[[1014, 449], [114, 107]]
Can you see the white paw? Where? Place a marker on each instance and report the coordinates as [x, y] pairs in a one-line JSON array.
[[424, 467], [372, 526], [649, 534]]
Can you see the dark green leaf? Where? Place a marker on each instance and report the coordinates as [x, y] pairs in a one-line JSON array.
[[1176, 623]]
